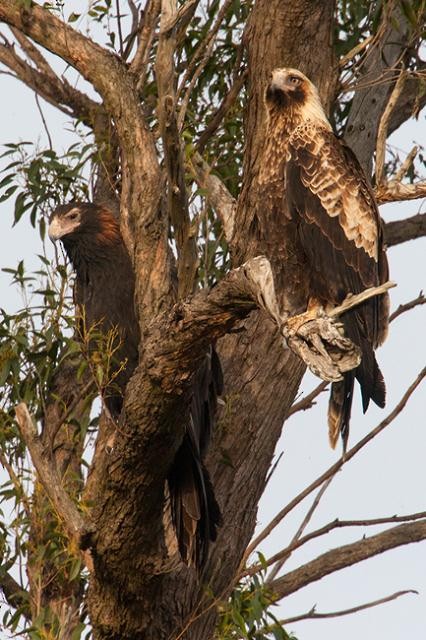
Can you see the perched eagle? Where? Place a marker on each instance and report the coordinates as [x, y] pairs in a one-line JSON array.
[[326, 195], [104, 295]]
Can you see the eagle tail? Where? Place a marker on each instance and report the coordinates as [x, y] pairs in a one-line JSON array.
[[367, 374], [195, 512], [339, 409]]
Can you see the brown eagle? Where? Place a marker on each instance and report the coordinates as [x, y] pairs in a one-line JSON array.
[[327, 196], [104, 294]]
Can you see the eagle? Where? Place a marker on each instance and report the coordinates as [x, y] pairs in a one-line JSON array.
[[324, 192], [104, 296]]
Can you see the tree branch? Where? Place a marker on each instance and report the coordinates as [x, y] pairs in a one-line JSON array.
[[313, 615], [401, 231], [421, 299], [331, 471], [74, 524], [176, 192], [309, 400], [218, 195], [347, 555]]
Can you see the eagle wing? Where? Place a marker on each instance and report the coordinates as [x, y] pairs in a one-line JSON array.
[[341, 236], [339, 223]]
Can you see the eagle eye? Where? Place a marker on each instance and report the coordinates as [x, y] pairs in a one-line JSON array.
[[73, 215], [294, 80]]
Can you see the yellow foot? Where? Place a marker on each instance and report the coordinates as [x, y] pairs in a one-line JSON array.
[[295, 322]]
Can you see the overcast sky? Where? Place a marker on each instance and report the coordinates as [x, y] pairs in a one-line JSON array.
[[387, 478]]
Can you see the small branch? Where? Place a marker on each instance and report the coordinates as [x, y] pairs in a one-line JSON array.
[[16, 483], [347, 555], [383, 128], [15, 595], [177, 196], [331, 471], [217, 194], [221, 112], [313, 615], [355, 51], [281, 556], [306, 520], [421, 299], [401, 231], [308, 401], [393, 191], [139, 63], [405, 166], [73, 522]]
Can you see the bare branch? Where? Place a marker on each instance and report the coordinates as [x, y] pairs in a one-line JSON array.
[[331, 471], [218, 195], [74, 524], [405, 166], [383, 128], [309, 400], [355, 51], [221, 112], [393, 191], [347, 555], [281, 556], [306, 520], [139, 63], [177, 197], [313, 615], [401, 231], [421, 299]]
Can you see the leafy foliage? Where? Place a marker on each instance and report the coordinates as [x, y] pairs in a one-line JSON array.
[[248, 613]]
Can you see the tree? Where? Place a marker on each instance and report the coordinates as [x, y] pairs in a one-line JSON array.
[[171, 144]]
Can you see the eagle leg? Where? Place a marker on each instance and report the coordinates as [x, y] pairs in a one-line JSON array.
[[313, 311]]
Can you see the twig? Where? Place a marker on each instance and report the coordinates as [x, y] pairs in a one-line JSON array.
[[331, 471], [43, 119], [16, 482], [355, 51], [383, 128], [53, 432], [421, 299], [120, 33], [347, 555], [301, 529], [222, 110], [203, 52], [73, 522], [330, 526], [405, 166], [308, 401], [313, 615]]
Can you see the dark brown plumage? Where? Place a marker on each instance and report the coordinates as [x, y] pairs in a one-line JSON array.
[[326, 194], [104, 295]]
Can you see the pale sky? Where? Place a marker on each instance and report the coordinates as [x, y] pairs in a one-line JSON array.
[[387, 478]]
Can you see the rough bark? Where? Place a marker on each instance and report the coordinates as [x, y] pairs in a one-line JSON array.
[[139, 589]]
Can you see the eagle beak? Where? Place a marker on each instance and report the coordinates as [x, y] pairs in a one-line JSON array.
[[55, 230]]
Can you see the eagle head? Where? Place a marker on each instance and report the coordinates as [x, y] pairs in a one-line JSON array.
[[77, 221], [290, 92]]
